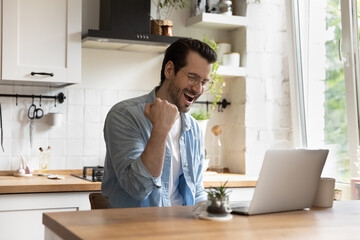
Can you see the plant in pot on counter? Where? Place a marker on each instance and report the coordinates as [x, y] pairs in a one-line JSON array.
[[218, 201]]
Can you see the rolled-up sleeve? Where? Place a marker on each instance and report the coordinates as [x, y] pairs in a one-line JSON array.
[[125, 142]]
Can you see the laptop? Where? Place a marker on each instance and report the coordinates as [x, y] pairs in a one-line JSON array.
[[288, 181]]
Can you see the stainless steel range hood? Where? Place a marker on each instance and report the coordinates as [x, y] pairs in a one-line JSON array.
[[125, 25], [126, 41]]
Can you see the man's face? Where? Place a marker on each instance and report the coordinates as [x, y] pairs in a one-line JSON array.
[[180, 91]]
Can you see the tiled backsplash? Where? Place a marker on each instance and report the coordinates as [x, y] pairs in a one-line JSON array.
[[77, 142]]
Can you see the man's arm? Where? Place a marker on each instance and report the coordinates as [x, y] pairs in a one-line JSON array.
[[132, 158], [162, 115]]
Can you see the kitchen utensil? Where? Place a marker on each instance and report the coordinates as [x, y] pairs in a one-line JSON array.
[[33, 113], [1, 130]]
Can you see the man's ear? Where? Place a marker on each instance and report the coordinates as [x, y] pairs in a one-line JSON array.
[[169, 70]]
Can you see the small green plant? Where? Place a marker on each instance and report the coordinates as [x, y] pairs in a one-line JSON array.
[[217, 80], [200, 115], [219, 200], [165, 7]]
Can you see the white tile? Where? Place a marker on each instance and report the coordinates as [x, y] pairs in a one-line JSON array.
[[91, 161], [20, 146], [92, 114], [7, 110], [102, 153], [74, 162], [74, 148], [57, 163], [15, 163], [58, 132], [20, 112], [93, 130], [5, 163], [91, 147], [75, 131], [108, 97], [21, 129], [75, 114], [7, 144], [104, 111], [102, 161], [58, 147], [41, 128], [7, 128], [92, 97], [75, 96]]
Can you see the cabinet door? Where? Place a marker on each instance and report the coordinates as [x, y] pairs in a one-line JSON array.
[[41, 36]]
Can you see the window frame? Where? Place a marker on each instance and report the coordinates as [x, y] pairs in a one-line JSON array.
[[351, 62]]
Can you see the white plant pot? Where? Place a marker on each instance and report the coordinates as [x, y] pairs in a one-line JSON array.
[[203, 125]]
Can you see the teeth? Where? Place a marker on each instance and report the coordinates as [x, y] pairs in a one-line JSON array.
[[189, 95]]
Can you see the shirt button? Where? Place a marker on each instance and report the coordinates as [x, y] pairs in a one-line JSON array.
[[185, 164]]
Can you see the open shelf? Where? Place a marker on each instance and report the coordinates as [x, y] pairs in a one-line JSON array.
[[216, 21], [227, 71]]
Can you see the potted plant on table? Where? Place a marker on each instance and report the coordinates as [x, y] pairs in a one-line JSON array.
[[337, 194], [218, 201], [163, 11]]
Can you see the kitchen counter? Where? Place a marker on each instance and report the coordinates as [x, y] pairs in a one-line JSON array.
[[41, 184], [339, 222]]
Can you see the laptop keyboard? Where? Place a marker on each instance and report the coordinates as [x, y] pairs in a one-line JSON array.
[[240, 207]]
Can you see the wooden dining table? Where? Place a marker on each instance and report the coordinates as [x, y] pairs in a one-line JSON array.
[[342, 221]]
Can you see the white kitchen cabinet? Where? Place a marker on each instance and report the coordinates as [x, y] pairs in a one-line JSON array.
[[41, 41], [21, 214]]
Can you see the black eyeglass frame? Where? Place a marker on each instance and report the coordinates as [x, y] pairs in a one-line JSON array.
[[194, 79]]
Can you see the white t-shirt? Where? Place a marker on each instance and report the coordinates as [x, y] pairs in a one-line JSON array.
[[176, 169]]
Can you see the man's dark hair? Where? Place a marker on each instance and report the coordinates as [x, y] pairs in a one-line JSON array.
[[178, 51]]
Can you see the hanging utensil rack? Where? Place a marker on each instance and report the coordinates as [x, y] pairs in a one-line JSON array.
[[60, 97], [221, 104]]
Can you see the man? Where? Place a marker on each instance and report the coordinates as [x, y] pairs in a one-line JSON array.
[[154, 148]]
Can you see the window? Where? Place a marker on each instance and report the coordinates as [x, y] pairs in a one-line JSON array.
[[324, 81]]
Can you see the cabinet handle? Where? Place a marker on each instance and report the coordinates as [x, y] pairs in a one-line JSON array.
[[42, 73]]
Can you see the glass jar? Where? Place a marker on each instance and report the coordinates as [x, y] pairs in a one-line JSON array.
[[219, 206], [44, 161], [215, 153], [225, 7]]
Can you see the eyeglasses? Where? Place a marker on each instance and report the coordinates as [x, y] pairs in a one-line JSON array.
[[194, 79]]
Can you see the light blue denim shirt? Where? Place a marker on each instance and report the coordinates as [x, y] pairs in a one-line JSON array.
[[126, 181]]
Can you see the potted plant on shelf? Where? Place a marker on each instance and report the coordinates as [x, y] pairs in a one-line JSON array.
[[239, 7], [217, 80], [162, 25], [218, 201]]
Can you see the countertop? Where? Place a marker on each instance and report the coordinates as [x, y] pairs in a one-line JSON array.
[[41, 184], [37, 184], [339, 222]]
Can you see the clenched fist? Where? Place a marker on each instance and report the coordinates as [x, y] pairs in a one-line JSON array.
[[161, 114]]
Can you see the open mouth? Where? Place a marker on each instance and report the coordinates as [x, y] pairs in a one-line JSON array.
[[190, 98]]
